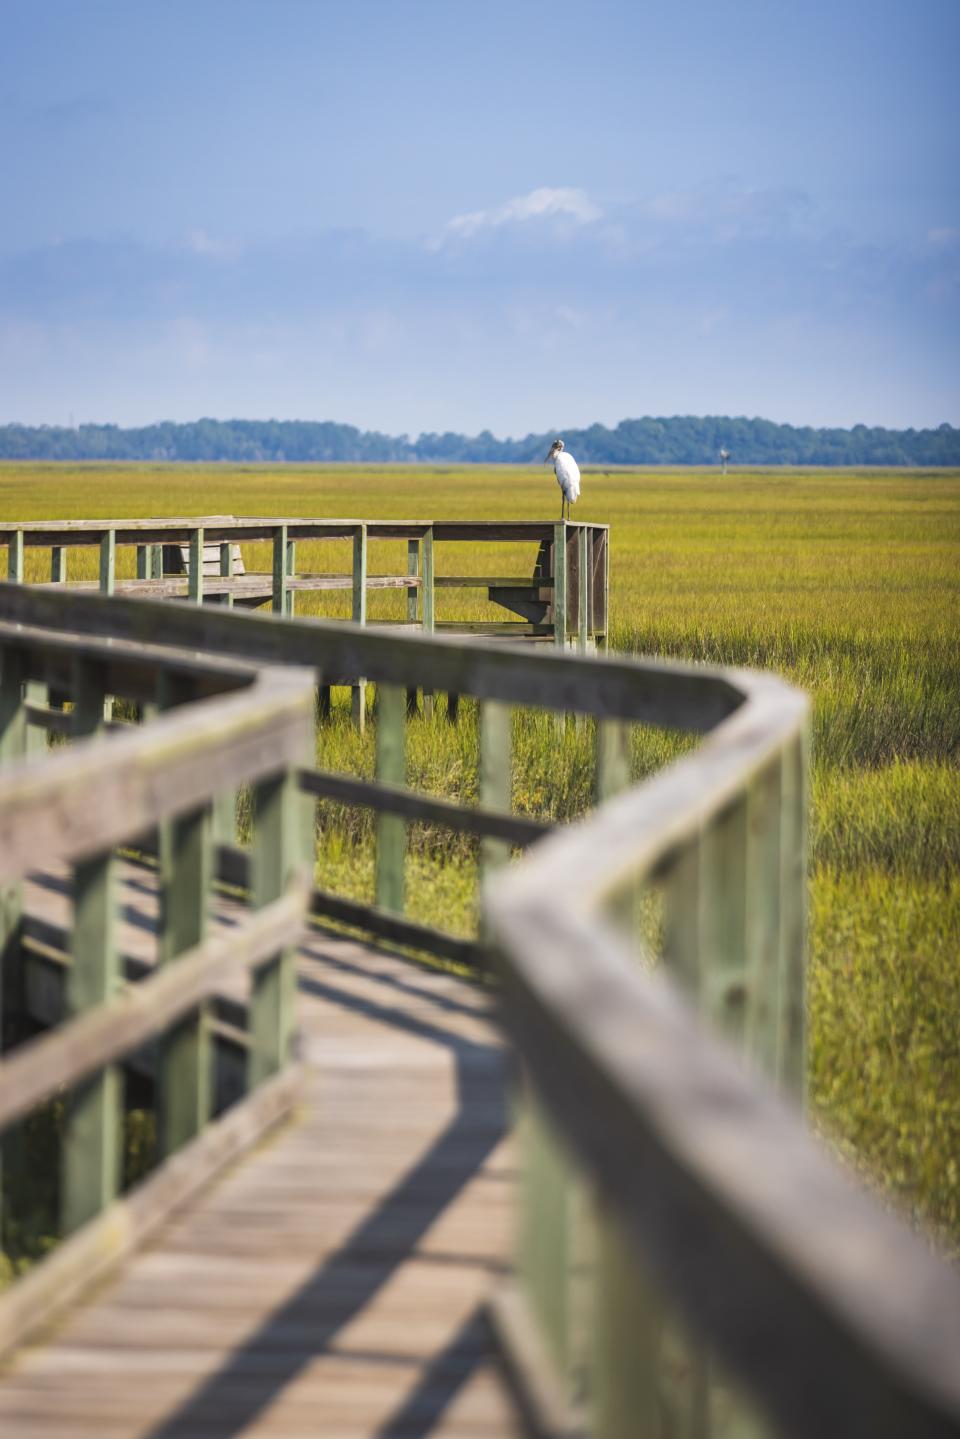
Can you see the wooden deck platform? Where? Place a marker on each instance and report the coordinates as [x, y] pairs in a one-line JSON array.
[[330, 1284]]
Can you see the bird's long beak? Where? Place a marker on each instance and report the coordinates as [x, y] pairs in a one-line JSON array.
[[548, 457]]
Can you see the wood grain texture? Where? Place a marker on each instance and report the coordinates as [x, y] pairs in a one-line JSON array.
[[332, 1282]]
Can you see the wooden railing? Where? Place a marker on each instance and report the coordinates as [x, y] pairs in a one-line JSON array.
[[64, 816], [562, 597], [679, 1224]]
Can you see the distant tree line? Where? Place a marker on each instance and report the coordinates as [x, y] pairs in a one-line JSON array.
[[681, 440]]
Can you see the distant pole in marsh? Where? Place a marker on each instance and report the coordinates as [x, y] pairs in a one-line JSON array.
[[724, 457]]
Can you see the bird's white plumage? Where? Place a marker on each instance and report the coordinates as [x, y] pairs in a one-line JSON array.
[[568, 476]]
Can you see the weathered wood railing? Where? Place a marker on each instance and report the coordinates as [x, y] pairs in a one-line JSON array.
[[70, 810], [659, 1170], [563, 597]]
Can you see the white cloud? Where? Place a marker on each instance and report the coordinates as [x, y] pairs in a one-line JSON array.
[[200, 243], [545, 203]]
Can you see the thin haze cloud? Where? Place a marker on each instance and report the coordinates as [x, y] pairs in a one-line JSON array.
[[544, 203]]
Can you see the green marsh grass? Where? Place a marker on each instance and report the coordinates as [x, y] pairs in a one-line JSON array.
[[848, 583]]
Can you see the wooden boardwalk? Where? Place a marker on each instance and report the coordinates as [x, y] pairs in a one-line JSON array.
[[330, 1284]]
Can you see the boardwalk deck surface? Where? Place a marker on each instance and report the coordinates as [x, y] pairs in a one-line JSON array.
[[330, 1284]]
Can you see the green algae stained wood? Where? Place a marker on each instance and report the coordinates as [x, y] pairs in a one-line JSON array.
[[186, 1062], [390, 767], [108, 562], [358, 613], [560, 585], [278, 845]]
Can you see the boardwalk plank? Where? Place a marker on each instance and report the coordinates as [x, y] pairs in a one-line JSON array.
[[331, 1283]]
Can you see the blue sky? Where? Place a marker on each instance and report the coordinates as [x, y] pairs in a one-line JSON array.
[[516, 216]]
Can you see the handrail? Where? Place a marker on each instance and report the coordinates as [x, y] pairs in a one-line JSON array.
[[832, 1314], [563, 597]]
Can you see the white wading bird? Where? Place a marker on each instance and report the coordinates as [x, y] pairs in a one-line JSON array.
[[567, 472]]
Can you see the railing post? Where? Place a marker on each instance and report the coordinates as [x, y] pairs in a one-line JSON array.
[[15, 558], [290, 564], [13, 741], [793, 916], [279, 596], [58, 564], [359, 616], [628, 1323], [226, 571], [413, 570], [496, 776], [428, 610], [428, 607], [186, 1052], [560, 584], [763, 928], [583, 575], [144, 556], [277, 854], [195, 577], [108, 562], [391, 828], [91, 1144], [682, 917], [156, 561], [725, 977], [612, 775]]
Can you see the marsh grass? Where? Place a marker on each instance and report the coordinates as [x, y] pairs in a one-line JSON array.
[[847, 583]]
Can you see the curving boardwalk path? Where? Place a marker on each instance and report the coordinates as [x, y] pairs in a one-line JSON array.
[[329, 1285]]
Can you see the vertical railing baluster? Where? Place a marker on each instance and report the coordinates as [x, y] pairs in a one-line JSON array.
[[763, 928], [583, 575], [108, 562], [279, 593], [226, 571], [359, 616], [390, 766], [413, 600], [156, 561], [290, 566], [143, 562], [13, 741], [611, 775], [15, 558], [725, 979], [428, 609], [496, 776], [186, 1052], [560, 584], [793, 916], [413, 571], [682, 918], [91, 1146], [277, 854], [58, 564], [195, 576], [684, 1383], [92, 1134], [628, 1319]]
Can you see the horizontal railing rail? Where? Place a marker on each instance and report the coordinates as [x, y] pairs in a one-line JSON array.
[[564, 597]]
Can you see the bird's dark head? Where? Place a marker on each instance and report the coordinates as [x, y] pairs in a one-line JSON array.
[[555, 449]]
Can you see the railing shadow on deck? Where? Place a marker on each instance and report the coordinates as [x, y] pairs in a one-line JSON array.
[[657, 1163], [387, 1237]]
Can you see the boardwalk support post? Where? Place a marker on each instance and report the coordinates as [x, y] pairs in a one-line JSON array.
[[359, 617], [390, 768], [195, 574]]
